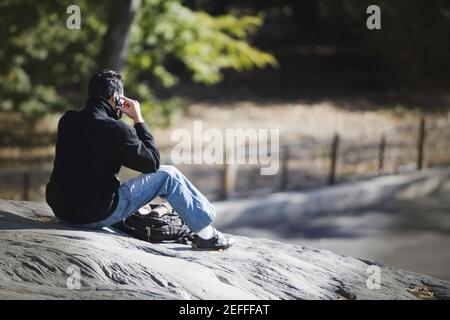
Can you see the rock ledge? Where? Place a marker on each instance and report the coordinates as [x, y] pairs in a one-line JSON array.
[[40, 260]]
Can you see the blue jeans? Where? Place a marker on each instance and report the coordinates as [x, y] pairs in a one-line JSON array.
[[168, 183]]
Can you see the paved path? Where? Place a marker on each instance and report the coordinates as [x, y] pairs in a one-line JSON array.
[[402, 221]]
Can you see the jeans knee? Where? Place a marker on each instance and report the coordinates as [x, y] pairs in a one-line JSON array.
[[169, 171]]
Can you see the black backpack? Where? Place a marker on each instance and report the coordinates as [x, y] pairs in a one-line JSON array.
[[154, 228]]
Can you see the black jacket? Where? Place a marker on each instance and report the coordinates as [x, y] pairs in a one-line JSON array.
[[92, 145]]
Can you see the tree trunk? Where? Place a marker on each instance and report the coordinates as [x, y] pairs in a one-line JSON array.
[[114, 51]]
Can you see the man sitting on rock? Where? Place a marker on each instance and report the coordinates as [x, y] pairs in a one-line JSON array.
[[93, 144]]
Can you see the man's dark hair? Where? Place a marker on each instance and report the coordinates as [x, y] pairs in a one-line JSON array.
[[104, 83]]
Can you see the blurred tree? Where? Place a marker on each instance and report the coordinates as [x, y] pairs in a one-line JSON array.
[[40, 56], [43, 64], [114, 51], [411, 50], [204, 44], [324, 47], [414, 48]]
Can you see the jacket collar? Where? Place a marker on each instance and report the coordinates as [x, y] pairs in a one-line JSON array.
[[99, 105]]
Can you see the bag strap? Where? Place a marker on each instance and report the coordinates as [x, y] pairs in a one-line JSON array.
[[162, 209]]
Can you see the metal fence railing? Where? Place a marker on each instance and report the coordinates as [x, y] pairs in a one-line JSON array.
[[311, 163]]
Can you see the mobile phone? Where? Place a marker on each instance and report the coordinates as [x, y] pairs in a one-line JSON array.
[[119, 104], [118, 101]]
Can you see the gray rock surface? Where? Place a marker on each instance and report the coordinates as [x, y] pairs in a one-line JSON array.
[[38, 257]]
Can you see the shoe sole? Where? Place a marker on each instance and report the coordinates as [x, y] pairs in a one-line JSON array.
[[211, 249]]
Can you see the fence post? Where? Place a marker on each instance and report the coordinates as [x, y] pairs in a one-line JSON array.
[[284, 174], [421, 143], [26, 186], [333, 159], [228, 178], [381, 152]]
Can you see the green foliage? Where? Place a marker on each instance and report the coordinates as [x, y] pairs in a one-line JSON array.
[[41, 56], [204, 44], [44, 66]]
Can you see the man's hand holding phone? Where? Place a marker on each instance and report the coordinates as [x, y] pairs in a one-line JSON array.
[[132, 109]]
